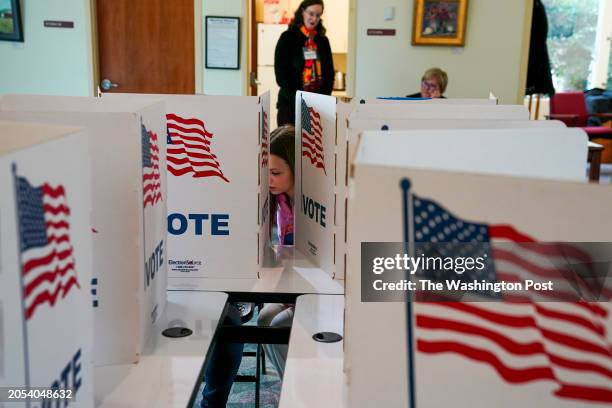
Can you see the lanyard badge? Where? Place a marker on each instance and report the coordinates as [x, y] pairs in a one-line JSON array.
[[309, 54]]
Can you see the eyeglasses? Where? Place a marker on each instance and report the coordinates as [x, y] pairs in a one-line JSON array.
[[313, 14], [430, 86]]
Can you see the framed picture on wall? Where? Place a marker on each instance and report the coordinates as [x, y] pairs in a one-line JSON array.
[[222, 42], [10, 21], [439, 22]]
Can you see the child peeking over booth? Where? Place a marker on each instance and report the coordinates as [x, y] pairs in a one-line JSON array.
[[282, 160]]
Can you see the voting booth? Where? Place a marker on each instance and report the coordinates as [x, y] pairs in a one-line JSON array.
[[437, 111], [360, 118], [473, 350], [519, 152], [315, 174], [264, 237], [318, 171], [405, 116], [45, 260], [127, 157], [435, 101], [218, 210], [216, 186], [357, 124], [440, 138], [339, 141]]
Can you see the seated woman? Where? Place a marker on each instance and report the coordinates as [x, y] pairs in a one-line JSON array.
[[282, 160], [433, 84]]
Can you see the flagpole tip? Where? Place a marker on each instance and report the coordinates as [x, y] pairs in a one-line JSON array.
[[405, 184]]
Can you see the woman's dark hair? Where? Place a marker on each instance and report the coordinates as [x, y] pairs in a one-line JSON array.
[[298, 20], [282, 144]]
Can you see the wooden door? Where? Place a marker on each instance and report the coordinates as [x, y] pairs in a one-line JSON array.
[[147, 46]]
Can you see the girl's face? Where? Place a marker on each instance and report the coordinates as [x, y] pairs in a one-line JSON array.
[[281, 176], [312, 15]]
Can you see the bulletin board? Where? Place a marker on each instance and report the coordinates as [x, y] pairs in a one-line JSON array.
[[222, 42]]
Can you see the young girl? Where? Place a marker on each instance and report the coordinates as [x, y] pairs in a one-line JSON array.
[[282, 159]]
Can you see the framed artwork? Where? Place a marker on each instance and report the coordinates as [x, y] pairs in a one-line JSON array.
[[10, 21], [439, 22]]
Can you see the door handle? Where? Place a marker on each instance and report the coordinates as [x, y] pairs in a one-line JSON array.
[[107, 85], [254, 80]]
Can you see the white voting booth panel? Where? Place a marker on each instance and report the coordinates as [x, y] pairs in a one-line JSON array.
[[45, 259], [169, 371], [441, 111], [343, 112], [225, 189], [545, 153], [127, 150], [356, 126], [263, 218], [349, 131], [505, 369], [373, 114], [217, 185], [435, 101], [316, 177]]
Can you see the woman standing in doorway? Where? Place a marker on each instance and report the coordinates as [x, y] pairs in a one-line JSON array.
[[302, 59]]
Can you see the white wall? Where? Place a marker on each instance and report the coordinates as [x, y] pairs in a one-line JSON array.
[[493, 58], [223, 81], [57, 61], [53, 61]]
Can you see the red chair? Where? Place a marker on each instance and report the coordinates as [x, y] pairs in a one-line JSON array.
[[570, 108]]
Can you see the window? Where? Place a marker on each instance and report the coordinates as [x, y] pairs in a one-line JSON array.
[[572, 30]]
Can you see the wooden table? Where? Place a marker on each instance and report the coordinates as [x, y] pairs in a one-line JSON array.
[[594, 158]]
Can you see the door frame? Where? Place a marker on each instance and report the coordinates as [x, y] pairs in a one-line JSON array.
[[252, 50], [351, 52], [95, 58], [198, 17]]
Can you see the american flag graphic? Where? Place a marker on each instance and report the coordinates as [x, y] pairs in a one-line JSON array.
[[47, 260], [189, 149], [150, 168], [522, 340], [312, 136], [265, 148]]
